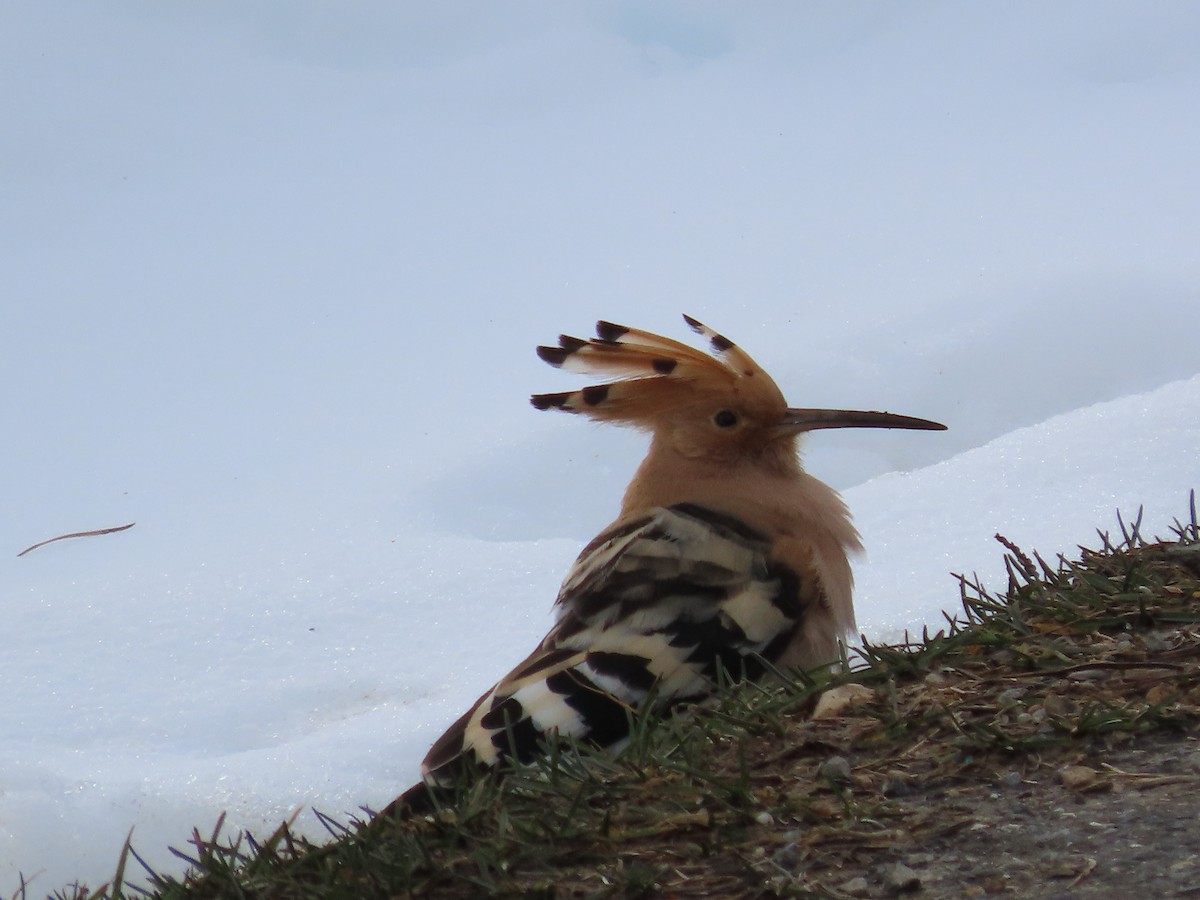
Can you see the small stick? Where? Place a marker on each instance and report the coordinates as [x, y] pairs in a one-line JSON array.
[[75, 534], [1152, 779]]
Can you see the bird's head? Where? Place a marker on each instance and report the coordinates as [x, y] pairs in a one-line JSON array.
[[720, 408]]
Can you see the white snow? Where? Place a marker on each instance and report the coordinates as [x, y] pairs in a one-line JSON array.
[[272, 276]]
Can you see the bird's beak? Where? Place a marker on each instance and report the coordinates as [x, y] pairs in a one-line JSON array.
[[798, 420]]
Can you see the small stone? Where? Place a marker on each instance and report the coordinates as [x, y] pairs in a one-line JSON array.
[[1153, 643], [855, 887], [1055, 705], [900, 879], [826, 809], [1070, 866], [764, 818], [897, 784], [1010, 780], [836, 701], [787, 856], [835, 769], [1159, 693], [1082, 778], [1012, 695]]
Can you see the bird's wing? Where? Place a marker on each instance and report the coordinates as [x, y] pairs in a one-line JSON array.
[[653, 608]]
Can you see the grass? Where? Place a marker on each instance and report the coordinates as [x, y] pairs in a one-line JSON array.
[[752, 795]]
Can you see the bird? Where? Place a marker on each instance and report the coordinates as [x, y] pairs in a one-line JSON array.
[[727, 559]]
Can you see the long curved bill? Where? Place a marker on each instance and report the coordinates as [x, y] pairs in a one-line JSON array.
[[797, 420]]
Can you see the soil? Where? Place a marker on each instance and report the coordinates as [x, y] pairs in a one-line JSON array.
[[1129, 826]]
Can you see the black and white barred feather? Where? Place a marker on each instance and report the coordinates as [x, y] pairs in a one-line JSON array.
[[652, 610]]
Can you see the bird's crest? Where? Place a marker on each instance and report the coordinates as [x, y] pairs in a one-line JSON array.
[[653, 374]]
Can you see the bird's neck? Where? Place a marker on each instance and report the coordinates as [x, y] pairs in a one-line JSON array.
[[774, 495]]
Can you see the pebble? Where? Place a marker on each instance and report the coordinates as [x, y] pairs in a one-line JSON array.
[[855, 887], [900, 879], [836, 769], [897, 784], [1010, 780], [787, 857], [1079, 778], [837, 701], [1153, 643], [1056, 705]]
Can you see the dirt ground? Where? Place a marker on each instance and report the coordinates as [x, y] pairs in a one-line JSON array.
[[1115, 823], [1127, 826]]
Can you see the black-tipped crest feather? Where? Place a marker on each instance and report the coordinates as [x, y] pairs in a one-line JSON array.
[[610, 331], [653, 372], [553, 355]]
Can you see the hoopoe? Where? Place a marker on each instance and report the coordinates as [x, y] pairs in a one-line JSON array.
[[726, 553]]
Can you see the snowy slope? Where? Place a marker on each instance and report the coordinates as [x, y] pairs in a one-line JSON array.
[[1048, 488], [273, 274]]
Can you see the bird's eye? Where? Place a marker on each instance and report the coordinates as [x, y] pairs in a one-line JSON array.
[[726, 418]]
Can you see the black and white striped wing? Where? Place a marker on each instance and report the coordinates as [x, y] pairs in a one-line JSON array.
[[654, 607]]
